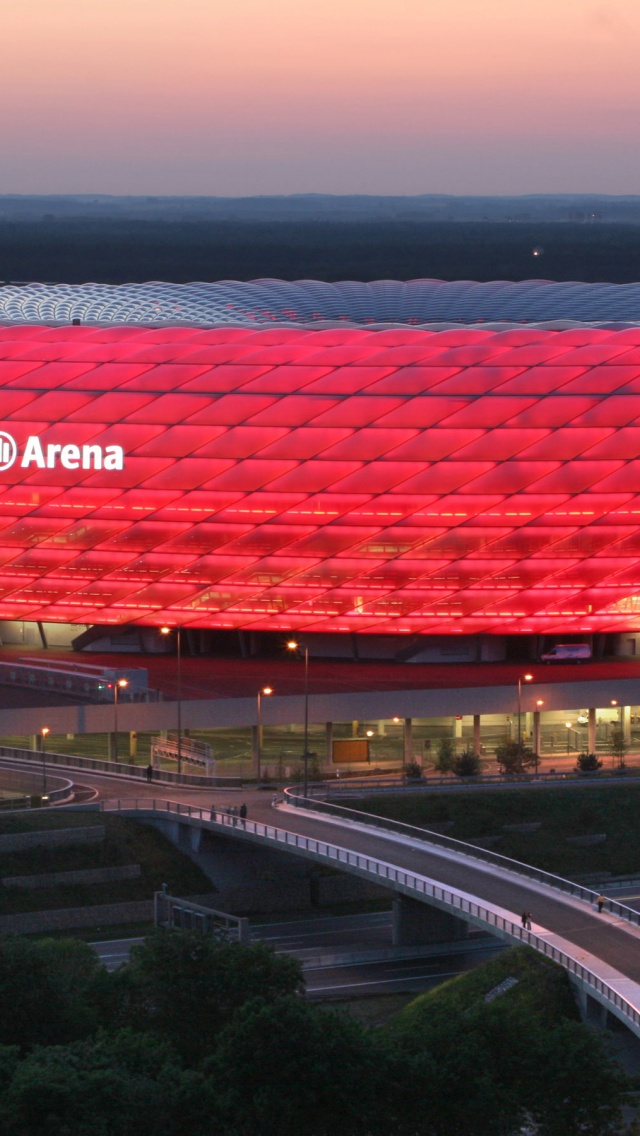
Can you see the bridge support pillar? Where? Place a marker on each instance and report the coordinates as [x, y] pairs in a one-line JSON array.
[[415, 922], [592, 1013]]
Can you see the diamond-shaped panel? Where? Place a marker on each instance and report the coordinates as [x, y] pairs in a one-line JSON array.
[[343, 479]]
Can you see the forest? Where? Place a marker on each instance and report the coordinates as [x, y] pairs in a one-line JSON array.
[[115, 251], [218, 1039]]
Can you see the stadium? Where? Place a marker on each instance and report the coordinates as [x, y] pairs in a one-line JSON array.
[[392, 459]]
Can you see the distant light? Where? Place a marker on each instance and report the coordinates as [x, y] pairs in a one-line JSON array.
[[369, 733]]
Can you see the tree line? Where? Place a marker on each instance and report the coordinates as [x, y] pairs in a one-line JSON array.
[[116, 251], [219, 1040]]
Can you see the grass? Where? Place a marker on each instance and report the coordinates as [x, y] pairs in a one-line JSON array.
[[542, 990], [563, 813], [126, 842]]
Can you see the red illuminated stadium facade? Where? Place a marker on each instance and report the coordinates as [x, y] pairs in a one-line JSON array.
[[389, 480]]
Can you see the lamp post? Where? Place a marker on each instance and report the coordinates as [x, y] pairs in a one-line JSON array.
[[167, 631], [521, 679], [266, 690], [118, 685], [292, 645], [44, 731], [536, 746]]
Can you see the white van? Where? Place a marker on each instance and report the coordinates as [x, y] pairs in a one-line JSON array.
[[567, 653]]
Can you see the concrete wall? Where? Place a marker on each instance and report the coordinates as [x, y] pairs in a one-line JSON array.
[[223, 712], [83, 876], [66, 918], [51, 838]]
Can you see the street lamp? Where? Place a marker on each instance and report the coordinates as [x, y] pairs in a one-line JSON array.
[[292, 645], [118, 685], [266, 690], [539, 704], [521, 679], [167, 631], [44, 731]]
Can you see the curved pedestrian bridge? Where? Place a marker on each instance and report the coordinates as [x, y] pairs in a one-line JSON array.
[[601, 952]]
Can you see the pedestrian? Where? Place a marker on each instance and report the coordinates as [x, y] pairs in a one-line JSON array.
[[601, 900], [243, 811], [213, 812], [528, 923], [524, 918], [149, 772], [274, 800]]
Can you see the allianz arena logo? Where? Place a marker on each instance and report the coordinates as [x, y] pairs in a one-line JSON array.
[[54, 455]]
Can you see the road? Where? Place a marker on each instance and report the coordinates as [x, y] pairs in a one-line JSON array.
[[348, 939], [393, 976]]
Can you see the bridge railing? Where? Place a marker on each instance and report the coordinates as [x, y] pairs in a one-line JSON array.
[[409, 884], [413, 833]]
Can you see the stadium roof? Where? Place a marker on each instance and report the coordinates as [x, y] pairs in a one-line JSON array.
[[433, 304]]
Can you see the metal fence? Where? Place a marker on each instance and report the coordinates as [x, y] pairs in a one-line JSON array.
[[98, 765]]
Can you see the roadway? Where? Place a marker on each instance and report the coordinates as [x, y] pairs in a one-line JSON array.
[[342, 955]]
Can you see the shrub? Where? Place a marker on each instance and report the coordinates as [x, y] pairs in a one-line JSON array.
[[588, 763], [467, 763], [446, 754], [514, 758]]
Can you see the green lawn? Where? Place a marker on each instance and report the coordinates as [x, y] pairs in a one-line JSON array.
[[563, 813], [541, 988], [126, 842]]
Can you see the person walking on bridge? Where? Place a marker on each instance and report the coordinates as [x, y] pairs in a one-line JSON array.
[[601, 900]]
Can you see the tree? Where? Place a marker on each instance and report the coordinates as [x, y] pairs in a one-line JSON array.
[[412, 771], [535, 1072], [514, 758], [588, 763], [467, 763], [187, 987], [285, 1067], [446, 754], [44, 988], [619, 745], [121, 1085]]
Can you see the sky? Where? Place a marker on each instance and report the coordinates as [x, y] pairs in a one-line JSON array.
[[244, 97]]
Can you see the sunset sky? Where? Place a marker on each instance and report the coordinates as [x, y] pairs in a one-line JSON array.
[[237, 97]]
